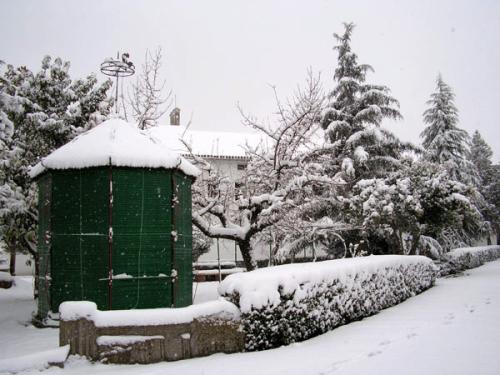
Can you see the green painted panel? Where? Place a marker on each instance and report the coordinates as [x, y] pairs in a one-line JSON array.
[[183, 245], [67, 272], [43, 244], [80, 236], [127, 186], [94, 198], [66, 202], [141, 238], [138, 255], [95, 269], [141, 293]]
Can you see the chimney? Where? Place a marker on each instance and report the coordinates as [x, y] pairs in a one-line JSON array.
[[175, 117]]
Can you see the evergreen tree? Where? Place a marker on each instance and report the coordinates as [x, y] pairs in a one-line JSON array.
[[12, 204], [352, 119], [39, 112], [413, 207], [445, 143], [356, 148], [480, 155], [492, 195]]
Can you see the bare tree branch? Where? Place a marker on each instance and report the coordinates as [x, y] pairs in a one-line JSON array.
[[278, 181], [146, 99]]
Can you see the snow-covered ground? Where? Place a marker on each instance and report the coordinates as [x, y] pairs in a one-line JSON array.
[[24, 263], [17, 336], [450, 329], [203, 292]]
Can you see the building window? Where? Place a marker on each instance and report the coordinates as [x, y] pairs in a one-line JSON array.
[[241, 167]]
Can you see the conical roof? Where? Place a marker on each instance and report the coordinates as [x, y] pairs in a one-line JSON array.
[[114, 142]]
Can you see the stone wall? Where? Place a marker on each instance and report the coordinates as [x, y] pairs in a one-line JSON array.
[[151, 343]]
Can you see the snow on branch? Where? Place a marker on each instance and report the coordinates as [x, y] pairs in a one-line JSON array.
[[278, 177]]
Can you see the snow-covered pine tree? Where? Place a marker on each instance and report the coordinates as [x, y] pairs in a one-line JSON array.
[[39, 112], [12, 204], [414, 210], [444, 142], [480, 155], [359, 147], [492, 195]]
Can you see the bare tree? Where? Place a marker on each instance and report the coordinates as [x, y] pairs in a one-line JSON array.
[[147, 100], [278, 178]]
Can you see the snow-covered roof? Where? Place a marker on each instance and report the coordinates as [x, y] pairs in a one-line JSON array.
[[114, 142], [219, 144]]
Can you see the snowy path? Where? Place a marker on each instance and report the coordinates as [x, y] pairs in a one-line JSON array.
[[453, 328]]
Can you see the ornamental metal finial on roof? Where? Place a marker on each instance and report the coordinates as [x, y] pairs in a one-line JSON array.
[[118, 68]]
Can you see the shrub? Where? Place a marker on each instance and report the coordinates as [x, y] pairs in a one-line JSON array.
[[289, 303], [465, 258]]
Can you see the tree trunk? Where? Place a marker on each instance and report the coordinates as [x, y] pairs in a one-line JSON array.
[[416, 243], [245, 249], [12, 265]]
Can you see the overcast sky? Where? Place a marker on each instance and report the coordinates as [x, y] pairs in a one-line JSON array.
[[219, 53]]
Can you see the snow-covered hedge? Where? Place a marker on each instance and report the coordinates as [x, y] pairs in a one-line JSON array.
[[293, 302], [468, 257]]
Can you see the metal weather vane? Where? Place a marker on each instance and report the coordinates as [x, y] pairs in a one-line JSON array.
[[118, 68]]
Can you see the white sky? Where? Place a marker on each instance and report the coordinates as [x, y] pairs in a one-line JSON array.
[[219, 53]]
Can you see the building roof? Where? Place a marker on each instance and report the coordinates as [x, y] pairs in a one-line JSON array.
[[216, 144], [114, 142]]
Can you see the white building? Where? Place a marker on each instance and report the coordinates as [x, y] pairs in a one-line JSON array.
[[225, 151]]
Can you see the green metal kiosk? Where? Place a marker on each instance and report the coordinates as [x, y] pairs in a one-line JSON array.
[[114, 222]]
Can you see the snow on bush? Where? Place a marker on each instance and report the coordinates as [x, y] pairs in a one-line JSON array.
[[468, 257], [289, 303]]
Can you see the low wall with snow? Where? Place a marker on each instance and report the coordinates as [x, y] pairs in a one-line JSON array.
[[285, 304], [150, 335], [468, 257]]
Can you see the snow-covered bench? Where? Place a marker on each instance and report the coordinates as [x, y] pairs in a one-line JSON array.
[[293, 302]]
